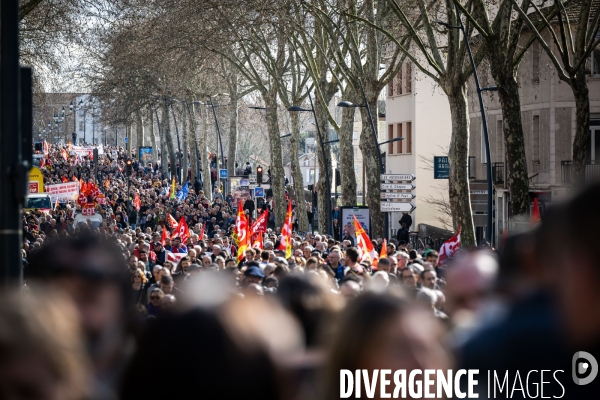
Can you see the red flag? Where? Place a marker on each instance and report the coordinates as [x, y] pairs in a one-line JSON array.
[[64, 179], [286, 232], [182, 231], [164, 236], [136, 202], [175, 257], [363, 242], [260, 225], [171, 221], [382, 253], [241, 231], [535, 213], [257, 243], [201, 237], [449, 248]]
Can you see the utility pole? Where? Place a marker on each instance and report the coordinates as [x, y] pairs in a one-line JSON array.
[[12, 168]]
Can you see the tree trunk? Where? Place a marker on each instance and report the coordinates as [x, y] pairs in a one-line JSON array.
[[518, 180], [169, 141], [233, 128], [204, 153], [347, 173], [152, 134], [458, 183], [184, 146], [279, 203], [139, 128], [164, 160], [324, 165], [193, 142], [297, 178], [582, 142]]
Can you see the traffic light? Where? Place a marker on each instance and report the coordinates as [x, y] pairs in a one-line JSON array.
[[129, 166], [259, 172]]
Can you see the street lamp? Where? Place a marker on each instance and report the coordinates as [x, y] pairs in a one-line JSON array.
[[488, 230], [348, 104], [312, 109]]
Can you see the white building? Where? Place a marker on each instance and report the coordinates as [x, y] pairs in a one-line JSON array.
[[418, 111]]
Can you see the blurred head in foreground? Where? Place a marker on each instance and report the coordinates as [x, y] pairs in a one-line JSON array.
[[383, 331], [227, 352], [42, 356]]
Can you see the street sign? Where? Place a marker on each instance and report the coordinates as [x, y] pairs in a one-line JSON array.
[[259, 192], [222, 174], [478, 191], [252, 178], [441, 167], [126, 139], [397, 186], [387, 195], [400, 177], [401, 207]]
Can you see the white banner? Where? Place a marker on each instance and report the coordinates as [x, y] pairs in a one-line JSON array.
[[86, 151], [63, 191]]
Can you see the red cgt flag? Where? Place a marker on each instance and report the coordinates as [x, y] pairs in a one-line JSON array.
[[363, 242], [136, 202], [182, 231], [241, 231], [171, 221], [286, 232], [260, 225], [449, 248]]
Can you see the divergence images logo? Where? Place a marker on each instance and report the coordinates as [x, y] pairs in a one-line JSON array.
[[584, 364]]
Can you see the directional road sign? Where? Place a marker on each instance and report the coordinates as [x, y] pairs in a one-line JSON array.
[[401, 207], [403, 196], [396, 177], [397, 186], [223, 174]]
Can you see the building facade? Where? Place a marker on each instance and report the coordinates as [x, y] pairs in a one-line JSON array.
[[549, 122], [418, 111]]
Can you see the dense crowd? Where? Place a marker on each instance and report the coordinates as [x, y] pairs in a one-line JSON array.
[[120, 310]]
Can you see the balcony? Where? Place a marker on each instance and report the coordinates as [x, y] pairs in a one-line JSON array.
[[566, 169], [498, 173], [592, 173]]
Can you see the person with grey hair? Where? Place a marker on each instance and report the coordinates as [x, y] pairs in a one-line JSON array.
[[268, 245], [380, 280], [429, 298]]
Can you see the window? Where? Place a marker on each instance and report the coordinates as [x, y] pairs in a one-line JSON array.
[[408, 77], [408, 138], [483, 153], [399, 142], [499, 141], [595, 67], [355, 135], [536, 139], [535, 62], [390, 137], [390, 91], [398, 88]]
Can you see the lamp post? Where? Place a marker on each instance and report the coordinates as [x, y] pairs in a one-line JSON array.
[[480, 90], [381, 167], [312, 109]]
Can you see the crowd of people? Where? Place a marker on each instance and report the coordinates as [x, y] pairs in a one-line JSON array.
[[121, 310]]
